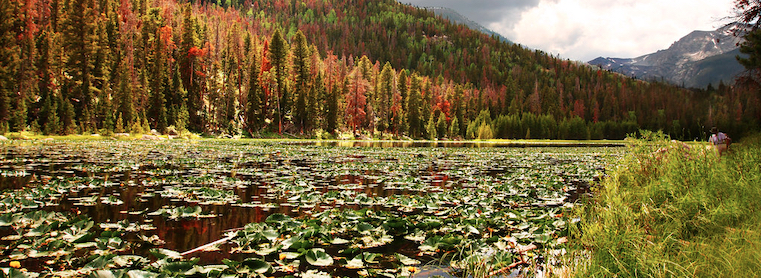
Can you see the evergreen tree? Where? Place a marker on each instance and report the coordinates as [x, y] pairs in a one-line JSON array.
[[79, 39], [68, 117], [255, 109], [441, 125], [189, 58], [331, 108], [384, 97], [49, 116], [159, 82], [301, 55], [403, 88], [278, 54], [9, 52], [176, 102], [317, 91], [454, 128], [126, 107], [430, 128], [45, 80], [413, 107]]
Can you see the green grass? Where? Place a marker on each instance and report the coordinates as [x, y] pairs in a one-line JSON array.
[[674, 210]]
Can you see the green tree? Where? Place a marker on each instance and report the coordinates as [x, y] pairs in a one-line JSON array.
[[159, 83], [79, 39], [331, 107], [384, 97], [9, 52], [278, 55], [301, 54], [441, 125], [430, 128], [255, 110], [454, 128], [413, 107]]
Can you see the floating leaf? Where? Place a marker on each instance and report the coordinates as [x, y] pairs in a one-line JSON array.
[[318, 257], [257, 265]]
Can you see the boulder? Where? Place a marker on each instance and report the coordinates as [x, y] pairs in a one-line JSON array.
[[152, 137]]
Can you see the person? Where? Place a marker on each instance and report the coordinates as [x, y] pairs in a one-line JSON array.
[[719, 140]]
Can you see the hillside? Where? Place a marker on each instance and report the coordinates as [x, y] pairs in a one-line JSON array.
[[303, 67], [458, 18], [696, 60]]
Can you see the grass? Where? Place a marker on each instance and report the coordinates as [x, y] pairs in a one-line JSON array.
[[674, 210]]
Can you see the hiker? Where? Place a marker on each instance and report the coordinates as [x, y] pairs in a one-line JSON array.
[[719, 140]]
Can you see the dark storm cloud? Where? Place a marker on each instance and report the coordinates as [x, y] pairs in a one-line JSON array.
[[482, 11]]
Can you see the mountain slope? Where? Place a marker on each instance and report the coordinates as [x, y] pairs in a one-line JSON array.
[[299, 67], [458, 18], [695, 60]]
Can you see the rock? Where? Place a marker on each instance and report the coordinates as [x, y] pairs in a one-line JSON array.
[[47, 139], [3, 138], [154, 132], [172, 131], [152, 137], [121, 134]]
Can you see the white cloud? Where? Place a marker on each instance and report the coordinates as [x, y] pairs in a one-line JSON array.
[[585, 29]]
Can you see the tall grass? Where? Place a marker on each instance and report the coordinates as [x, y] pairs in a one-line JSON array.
[[672, 210]]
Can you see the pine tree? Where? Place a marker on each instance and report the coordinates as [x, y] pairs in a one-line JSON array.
[[68, 116], [441, 125], [189, 62], [79, 39], [301, 55], [119, 126], [331, 108], [49, 117], [316, 94], [430, 128], [255, 109], [159, 82], [384, 97], [413, 107], [45, 80], [454, 128], [176, 101], [9, 52], [126, 107], [278, 54]]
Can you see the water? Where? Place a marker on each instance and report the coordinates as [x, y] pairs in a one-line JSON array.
[[260, 179]]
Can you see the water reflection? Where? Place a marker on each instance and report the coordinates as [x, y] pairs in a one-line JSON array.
[[451, 144]]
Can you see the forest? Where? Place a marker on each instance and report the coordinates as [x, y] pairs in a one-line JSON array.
[[314, 68]]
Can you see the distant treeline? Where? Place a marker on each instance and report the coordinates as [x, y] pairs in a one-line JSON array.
[[300, 67]]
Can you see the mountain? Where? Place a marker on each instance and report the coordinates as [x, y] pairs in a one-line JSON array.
[[458, 18], [696, 60]]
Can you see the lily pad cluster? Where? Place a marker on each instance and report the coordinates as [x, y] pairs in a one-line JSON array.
[[127, 209]]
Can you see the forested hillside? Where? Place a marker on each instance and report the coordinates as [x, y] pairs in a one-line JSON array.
[[298, 67]]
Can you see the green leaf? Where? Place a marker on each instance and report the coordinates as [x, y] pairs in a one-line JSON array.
[[14, 273], [318, 257], [141, 274], [165, 253], [355, 263], [258, 266], [277, 218], [406, 260]]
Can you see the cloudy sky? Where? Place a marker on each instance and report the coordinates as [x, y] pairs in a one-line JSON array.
[[585, 29]]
